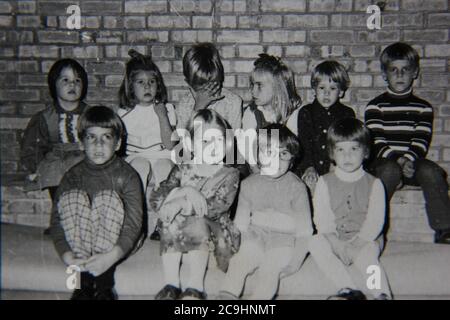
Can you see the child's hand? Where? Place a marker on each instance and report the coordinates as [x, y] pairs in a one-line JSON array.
[[32, 177], [206, 95], [197, 200], [339, 248], [170, 210], [408, 169], [160, 110], [70, 260], [99, 263], [310, 177]]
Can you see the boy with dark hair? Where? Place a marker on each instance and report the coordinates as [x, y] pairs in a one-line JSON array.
[[402, 127]]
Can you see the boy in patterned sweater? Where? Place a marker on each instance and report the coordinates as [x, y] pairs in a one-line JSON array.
[[402, 127]]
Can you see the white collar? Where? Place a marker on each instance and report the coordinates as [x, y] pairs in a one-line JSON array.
[[407, 93], [349, 177]]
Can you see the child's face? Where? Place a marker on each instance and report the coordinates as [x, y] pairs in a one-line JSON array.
[[327, 92], [68, 85], [209, 143], [145, 87], [349, 155], [274, 160], [262, 88], [400, 75], [99, 144]]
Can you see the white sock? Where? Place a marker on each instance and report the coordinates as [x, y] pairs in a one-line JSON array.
[[171, 267], [198, 261]]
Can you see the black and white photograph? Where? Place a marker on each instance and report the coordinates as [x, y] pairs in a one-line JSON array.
[[239, 151]]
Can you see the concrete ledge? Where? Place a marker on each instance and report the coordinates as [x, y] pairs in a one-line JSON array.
[[29, 262]]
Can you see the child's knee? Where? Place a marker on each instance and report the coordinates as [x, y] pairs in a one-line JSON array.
[[141, 165]]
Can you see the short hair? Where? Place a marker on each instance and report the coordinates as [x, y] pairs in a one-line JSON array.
[[202, 64], [399, 51], [286, 139], [348, 129], [332, 69], [55, 72], [136, 64], [100, 116]]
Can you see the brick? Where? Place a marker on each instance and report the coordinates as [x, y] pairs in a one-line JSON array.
[[229, 81], [243, 81], [113, 80], [297, 66], [240, 66], [446, 154], [58, 37], [202, 22], [419, 5], [27, 7], [225, 6], [362, 51], [435, 65], [19, 95], [90, 22], [163, 52], [283, 6], [437, 50], [53, 8], [228, 22], [163, 22], [113, 22], [240, 36], [108, 37], [360, 80], [227, 51], [284, 36], [306, 21], [331, 36], [432, 80], [89, 52], [10, 152], [191, 36], [379, 36], [270, 21], [174, 80], [297, 51], [426, 35], [105, 67], [391, 5], [402, 20], [432, 96], [250, 51], [143, 7], [51, 22], [5, 7], [438, 19], [102, 94], [135, 22], [182, 6], [322, 6], [332, 51], [16, 37], [103, 7], [38, 51], [7, 52], [249, 22], [33, 80], [29, 21], [240, 5], [349, 20], [22, 206], [6, 21], [147, 36], [275, 50]]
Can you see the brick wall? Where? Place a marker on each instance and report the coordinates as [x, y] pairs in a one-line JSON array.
[[33, 34]]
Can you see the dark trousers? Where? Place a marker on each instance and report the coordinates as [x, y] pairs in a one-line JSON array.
[[429, 176], [102, 282]]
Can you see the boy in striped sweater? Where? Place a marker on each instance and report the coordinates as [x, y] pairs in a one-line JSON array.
[[402, 127]]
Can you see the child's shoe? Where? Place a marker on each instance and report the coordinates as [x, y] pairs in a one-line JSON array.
[[83, 294], [348, 294], [193, 294], [106, 294], [383, 296], [169, 292], [442, 237]]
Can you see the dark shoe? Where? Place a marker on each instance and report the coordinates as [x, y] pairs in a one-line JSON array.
[[383, 296], [155, 235], [169, 292], [442, 236], [83, 294], [348, 294], [47, 231], [106, 294], [193, 294]]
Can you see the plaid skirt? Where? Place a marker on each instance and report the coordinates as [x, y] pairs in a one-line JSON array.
[[91, 228]]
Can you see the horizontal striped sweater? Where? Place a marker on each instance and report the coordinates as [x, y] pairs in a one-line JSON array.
[[401, 125]]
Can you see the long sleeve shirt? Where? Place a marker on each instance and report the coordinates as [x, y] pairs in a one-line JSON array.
[[313, 123], [115, 175], [350, 205], [401, 125], [230, 108]]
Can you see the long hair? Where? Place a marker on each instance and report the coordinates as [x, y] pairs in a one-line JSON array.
[[285, 98], [138, 63], [56, 70]]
